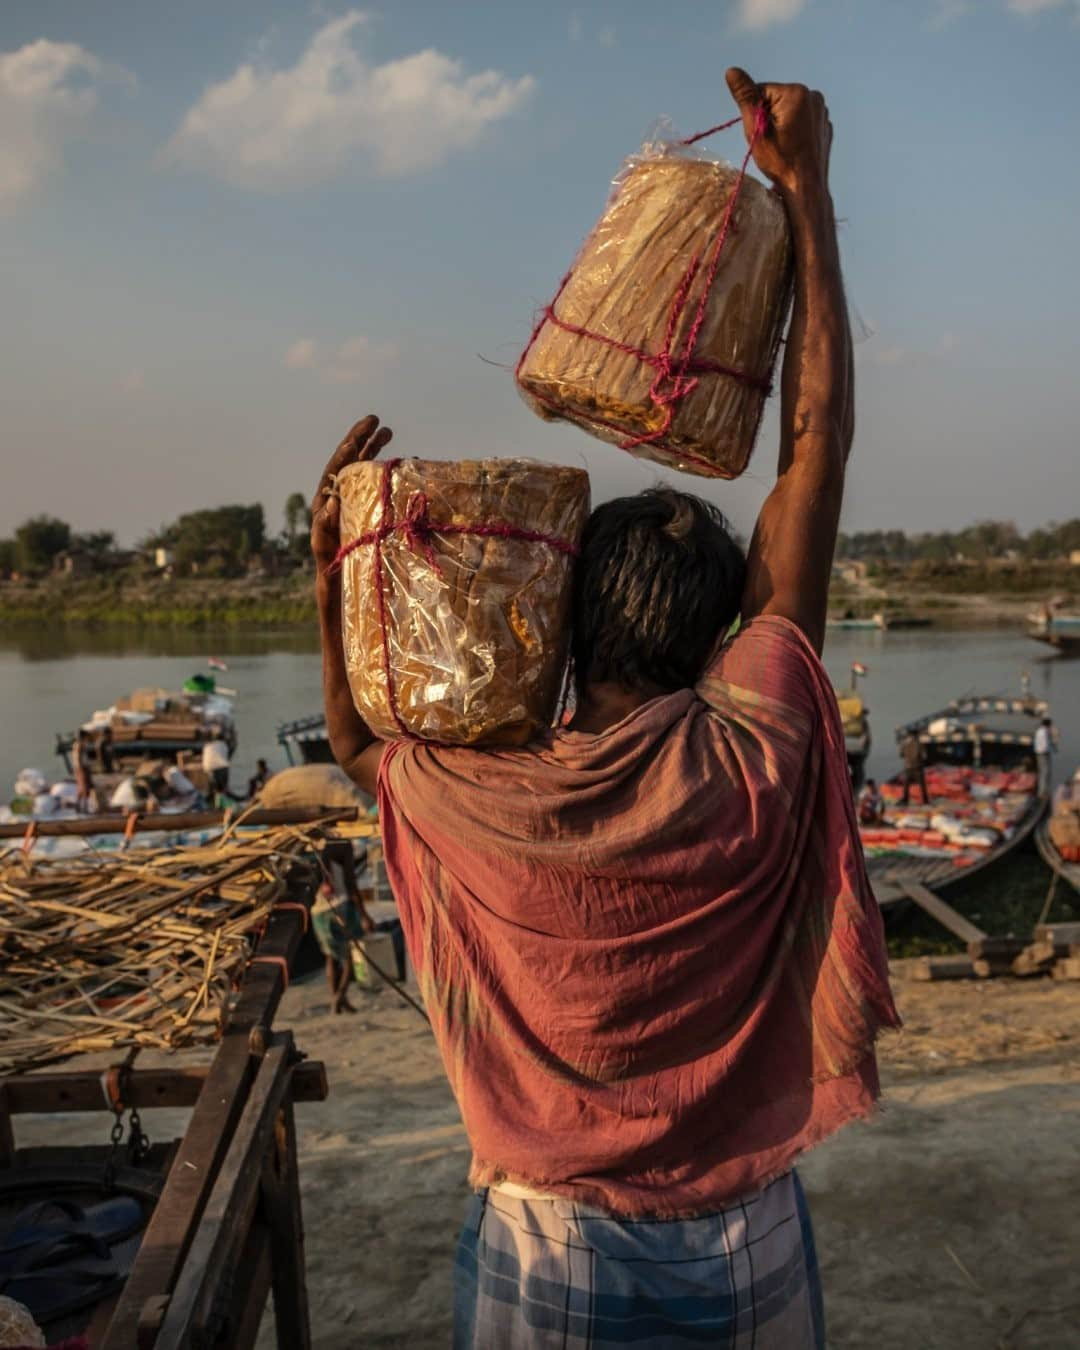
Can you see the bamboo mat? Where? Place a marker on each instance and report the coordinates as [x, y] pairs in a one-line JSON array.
[[144, 948]]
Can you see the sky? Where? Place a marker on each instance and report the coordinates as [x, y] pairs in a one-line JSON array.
[[230, 230]]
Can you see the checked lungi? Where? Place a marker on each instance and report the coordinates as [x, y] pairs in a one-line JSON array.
[[549, 1274]]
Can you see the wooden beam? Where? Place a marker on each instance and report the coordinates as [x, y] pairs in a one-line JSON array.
[[281, 1206], [1066, 933], [206, 1140], [192, 1317], [180, 820], [943, 968], [1000, 950], [48, 1093], [945, 914]]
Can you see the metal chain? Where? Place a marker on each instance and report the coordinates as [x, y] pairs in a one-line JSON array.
[[138, 1141]]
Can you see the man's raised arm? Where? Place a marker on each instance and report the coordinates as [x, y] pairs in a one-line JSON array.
[[791, 553], [354, 747]]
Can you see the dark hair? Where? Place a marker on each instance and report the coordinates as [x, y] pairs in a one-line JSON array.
[[658, 582]]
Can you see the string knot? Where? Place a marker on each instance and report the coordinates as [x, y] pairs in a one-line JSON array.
[[417, 529]]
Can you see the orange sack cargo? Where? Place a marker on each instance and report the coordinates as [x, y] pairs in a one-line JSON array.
[[613, 354], [456, 594]]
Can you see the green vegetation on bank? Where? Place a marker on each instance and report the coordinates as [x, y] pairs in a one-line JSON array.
[[119, 600]]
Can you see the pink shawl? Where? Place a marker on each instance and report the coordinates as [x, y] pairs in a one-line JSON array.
[[652, 959]]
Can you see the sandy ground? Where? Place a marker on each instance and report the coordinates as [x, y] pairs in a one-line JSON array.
[[952, 1221]]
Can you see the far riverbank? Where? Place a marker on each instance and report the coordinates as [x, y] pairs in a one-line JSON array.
[[147, 603]]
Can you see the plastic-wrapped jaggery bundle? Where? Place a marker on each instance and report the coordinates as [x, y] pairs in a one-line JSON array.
[[456, 594], [664, 333]]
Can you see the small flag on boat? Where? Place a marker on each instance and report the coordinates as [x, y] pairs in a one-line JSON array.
[[857, 668], [216, 663]]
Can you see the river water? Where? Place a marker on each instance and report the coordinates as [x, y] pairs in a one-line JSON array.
[[51, 681]]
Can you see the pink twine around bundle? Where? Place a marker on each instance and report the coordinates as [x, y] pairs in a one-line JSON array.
[[676, 376], [418, 529]]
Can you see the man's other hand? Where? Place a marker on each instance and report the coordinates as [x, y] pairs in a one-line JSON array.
[[363, 442]]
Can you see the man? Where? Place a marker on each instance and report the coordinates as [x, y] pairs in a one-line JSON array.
[[338, 919], [871, 804], [179, 790], [84, 777], [1044, 755], [105, 750], [647, 944], [215, 764], [914, 761], [259, 778]]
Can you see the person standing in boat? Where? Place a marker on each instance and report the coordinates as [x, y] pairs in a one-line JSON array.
[[215, 764], [84, 777], [647, 942], [914, 760], [1044, 755]]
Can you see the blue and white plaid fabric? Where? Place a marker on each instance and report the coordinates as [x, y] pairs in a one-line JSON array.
[[546, 1273]]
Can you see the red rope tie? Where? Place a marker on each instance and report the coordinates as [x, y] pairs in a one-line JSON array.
[[273, 961], [418, 530], [283, 905], [675, 376]]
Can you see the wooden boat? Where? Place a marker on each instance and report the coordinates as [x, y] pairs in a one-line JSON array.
[[304, 740], [849, 621], [1057, 630], [979, 759], [159, 724], [1048, 851]]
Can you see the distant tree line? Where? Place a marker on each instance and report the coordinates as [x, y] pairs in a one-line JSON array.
[[985, 541], [218, 541]]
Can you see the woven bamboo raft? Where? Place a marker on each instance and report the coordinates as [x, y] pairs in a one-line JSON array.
[[141, 949]]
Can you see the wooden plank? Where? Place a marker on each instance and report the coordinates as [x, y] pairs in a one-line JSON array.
[[997, 949], [986, 969], [180, 820], [250, 1289], [945, 914], [194, 1309], [943, 968], [282, 1209], [1067, 933], [228, 1082], [7, 1133], [1069, 969], [48, 1093]]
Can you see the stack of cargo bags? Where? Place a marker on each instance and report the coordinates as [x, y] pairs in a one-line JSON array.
[[970, 811]]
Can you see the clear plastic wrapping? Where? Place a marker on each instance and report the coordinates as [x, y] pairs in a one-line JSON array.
[[458, 634], [667, 208]]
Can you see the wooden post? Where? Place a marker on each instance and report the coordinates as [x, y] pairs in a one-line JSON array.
[[194, 1307], [213, 1122], [281, 1206]]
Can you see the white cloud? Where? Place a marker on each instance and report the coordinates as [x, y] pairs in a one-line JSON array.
[[762, 13], [357, 358], [301, 355], [1033, 6], [606, 37], [574, 28], [47, 93], [275, 129], [948, 12]]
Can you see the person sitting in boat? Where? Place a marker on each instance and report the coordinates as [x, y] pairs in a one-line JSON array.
[[259, 778], [651, 957], [133, 793], [914, 761], [178, 791], [871, 804]]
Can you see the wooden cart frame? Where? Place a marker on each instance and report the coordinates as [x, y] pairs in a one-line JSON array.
[[227, 1226]]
